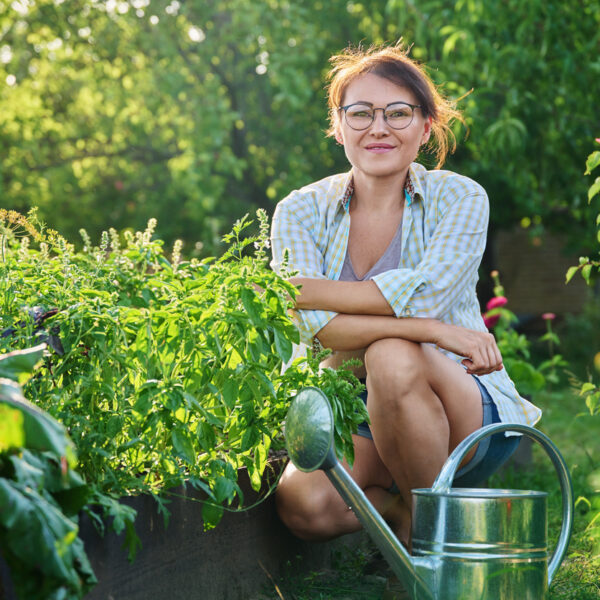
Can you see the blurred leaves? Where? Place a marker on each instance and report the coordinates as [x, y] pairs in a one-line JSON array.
[[121, 112], [197, 112]]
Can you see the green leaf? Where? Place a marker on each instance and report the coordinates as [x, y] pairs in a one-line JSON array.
[[19, 365], [224, 489], [42, 432], [249, 439], [230, 393], [211, 515], [260, 462], [206, 436], [252, 307], [594, 189], [132, 542], [586, 387], [592, 402], [586, 271], [570, 272], [43, 541], [183, 446], [593, 160], [282, 345], [526, 378], [12, 433]]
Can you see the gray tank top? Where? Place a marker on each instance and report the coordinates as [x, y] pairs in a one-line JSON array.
[[389, 260]]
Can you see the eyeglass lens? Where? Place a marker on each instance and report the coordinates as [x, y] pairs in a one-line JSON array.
[[397, 116]]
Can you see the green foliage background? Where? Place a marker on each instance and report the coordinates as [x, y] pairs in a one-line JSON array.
[[197, 112]]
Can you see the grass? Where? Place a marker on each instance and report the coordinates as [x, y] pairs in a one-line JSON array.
[[349, 577], [576, 434]]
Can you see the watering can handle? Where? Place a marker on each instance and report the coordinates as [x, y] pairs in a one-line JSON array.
[[444, 480]]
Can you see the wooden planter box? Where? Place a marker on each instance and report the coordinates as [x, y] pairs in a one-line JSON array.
[[182, 562]]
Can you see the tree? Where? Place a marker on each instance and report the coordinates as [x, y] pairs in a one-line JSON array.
[[533, 67], [194, 114], [198, 112]]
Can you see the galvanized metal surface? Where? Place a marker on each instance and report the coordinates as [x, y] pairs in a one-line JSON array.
[[444, 479], [469, 544], [309, 430], [488, 544]]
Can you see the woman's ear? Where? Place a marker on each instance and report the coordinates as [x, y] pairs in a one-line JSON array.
[[338, 136], [426, 131]]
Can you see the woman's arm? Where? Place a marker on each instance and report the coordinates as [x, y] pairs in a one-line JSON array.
[[352, 332], [447, 266], [352, 297], [294, 226]]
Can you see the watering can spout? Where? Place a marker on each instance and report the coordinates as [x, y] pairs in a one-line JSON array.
[[309, 440]]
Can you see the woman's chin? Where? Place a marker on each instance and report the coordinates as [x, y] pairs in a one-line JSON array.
[[383, 172]]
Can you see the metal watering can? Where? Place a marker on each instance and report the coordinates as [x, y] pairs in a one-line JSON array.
[[468, 544]]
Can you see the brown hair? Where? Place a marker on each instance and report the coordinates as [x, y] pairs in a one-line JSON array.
[[392, 63]]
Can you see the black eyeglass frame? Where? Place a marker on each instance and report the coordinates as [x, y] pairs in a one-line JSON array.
[[345, 109]]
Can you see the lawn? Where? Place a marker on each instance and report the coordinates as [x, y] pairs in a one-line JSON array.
[[355, 575]]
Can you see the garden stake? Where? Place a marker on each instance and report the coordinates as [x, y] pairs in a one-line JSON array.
[[468, 543]]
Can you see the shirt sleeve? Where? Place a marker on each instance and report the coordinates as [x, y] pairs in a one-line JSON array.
[[449, 263], [294, 229]]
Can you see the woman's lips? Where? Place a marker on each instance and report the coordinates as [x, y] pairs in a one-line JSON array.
[[379, 148]]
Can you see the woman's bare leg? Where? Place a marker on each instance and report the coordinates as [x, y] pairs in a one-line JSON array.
[[312, 508], [421, 405]]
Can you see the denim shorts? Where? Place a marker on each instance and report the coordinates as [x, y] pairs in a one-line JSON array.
[[492, 452]]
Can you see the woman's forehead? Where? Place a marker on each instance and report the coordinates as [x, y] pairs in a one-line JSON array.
[[377, 91]]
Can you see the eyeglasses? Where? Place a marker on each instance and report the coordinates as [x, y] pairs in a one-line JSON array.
[[398, 115]]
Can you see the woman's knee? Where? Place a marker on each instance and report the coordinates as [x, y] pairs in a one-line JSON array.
[[394, 364], [304, 509]]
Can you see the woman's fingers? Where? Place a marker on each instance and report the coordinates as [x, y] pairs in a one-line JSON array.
[[479, 348], [484, 356]]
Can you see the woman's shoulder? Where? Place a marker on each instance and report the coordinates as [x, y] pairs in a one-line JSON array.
[[444, 186], [318, 194]]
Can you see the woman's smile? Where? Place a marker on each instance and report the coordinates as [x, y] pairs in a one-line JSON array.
[[379, 148]]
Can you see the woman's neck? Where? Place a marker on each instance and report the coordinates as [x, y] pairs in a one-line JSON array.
[[378, 194]]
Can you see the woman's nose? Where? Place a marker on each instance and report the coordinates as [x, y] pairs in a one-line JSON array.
[[379, 124]]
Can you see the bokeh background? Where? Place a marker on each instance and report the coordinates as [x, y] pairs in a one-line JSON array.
[[198, 112]]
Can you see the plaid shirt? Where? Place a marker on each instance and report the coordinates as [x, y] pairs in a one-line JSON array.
[[444, 230]]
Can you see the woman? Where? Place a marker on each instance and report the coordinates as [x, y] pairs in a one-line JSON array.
[[387, 258]]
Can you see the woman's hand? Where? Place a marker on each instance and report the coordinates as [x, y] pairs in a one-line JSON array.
[[478, 347]]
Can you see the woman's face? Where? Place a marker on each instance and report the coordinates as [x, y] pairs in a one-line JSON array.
[[380, 150]]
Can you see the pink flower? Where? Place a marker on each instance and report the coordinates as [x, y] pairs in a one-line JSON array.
[[490, 321], [598, 140], [496, 302], [548, 316]]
